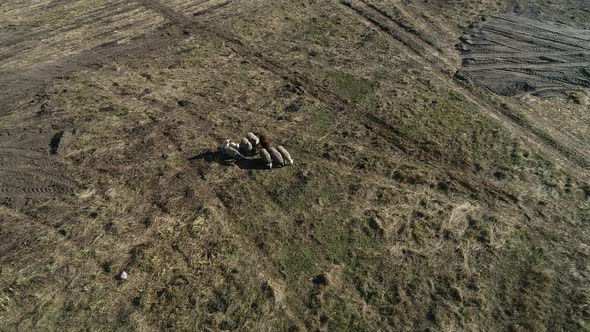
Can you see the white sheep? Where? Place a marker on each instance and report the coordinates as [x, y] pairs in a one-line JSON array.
[[232, 153], [234, 145], [266, 157], [245, 145], [253, 139], [227, 143], [276, 156], [286, 155], [224, 145]]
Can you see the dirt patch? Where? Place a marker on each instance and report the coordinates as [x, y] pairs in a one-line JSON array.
[[27, 170], [511, 54]]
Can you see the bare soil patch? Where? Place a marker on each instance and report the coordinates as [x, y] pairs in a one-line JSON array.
[[512, 54]]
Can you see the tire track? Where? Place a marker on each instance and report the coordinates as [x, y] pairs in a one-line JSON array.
[[29, 174], [394, 33], [40, 174], [553, 56], [72, 27], [529, 66], [406, 27], [536, 26], [165, 11], [533, 40], [523, 57], [212, 8], [22, 85], [409, 37], [94, 16]]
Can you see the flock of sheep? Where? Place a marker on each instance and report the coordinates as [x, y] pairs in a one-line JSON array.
[[248, 146]]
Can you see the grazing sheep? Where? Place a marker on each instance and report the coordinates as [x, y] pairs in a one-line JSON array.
[[245, 145], [253, 139], [232, 153], [276, 156], [234, 145], [224, 145], [286, 155], [264, 141], [266, 157], [228, 143]]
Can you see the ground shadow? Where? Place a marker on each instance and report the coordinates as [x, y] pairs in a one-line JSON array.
[[250, 162], [256, 163], [209, 156]]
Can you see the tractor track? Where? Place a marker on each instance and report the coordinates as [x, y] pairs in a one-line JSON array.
[[212, 8], [409, 29], [554, 55], [27, 65], [32, 175]]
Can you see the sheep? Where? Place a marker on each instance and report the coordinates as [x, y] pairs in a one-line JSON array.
[[253, 139], [224, 145], [266, 157], [234, 145], [227, 143], [286, 155], [245, 145], [264, 141], [276, 156], [233, 153]]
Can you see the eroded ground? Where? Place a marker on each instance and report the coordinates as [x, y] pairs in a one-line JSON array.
[[417, 201]]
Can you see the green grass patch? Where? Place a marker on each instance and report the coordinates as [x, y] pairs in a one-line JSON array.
[[298, 260], [321, 119], [349, 86]]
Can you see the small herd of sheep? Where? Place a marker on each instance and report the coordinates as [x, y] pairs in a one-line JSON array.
[[248, 146]]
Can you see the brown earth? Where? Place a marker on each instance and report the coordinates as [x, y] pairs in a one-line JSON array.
[[417, 201], [511, 55]]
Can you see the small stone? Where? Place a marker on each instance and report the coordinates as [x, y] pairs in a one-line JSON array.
[[123, 276]]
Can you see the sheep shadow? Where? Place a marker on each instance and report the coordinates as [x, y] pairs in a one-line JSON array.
[[217, 157]]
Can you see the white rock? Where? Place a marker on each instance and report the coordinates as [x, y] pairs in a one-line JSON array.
[[123, 276], [234, 145]]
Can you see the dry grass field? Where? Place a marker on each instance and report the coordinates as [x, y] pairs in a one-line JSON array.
[[418, 201]]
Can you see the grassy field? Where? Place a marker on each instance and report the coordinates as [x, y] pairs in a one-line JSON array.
[[416, 202]]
